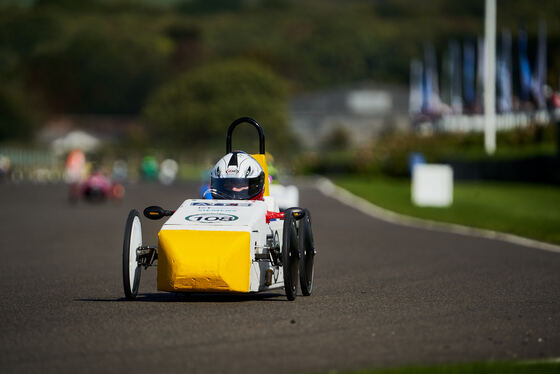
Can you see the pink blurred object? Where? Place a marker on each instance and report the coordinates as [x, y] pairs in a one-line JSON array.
[[97, 187]]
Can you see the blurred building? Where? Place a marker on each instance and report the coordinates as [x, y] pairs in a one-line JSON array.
[[87, 133], [361, 111]]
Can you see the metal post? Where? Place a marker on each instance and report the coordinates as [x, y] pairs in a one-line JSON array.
[[490, 77], [556, 119]]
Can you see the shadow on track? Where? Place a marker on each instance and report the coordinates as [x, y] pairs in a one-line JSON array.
[[194, 298]]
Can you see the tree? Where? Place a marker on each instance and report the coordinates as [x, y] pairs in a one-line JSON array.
[[100, 70], [195, 109], [16, 123]]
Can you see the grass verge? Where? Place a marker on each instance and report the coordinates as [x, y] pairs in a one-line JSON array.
[[474, 368], [527, 210]]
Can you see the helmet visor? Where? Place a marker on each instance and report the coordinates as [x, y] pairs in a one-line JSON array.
[[237, 188]]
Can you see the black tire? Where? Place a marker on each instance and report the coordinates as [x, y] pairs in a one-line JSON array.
[[290, 255], [307, 250], [131, 273]]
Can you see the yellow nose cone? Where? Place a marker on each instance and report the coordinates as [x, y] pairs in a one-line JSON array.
[[203, 261]]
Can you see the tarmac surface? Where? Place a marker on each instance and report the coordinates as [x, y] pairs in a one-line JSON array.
[[385, 295]]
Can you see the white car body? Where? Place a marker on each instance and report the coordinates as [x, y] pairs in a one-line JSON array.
[[195, 217], [286, 196]]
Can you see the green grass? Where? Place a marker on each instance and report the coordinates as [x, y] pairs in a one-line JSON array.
[[527, 210], [474, 368]]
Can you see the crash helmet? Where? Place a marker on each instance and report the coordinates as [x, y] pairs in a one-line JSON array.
[[237, 176]]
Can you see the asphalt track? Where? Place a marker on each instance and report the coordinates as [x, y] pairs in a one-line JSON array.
[[385, 295]]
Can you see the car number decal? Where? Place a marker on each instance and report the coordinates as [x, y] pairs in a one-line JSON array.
[[211, 217], [197, 203]]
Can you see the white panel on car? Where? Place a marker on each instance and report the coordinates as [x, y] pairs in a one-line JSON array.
[[218, 213], [286, 196]]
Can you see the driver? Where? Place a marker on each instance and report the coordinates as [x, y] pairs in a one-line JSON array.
[[237, 176]]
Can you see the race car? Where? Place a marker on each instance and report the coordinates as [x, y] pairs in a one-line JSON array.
[[237, 242], [97, 187]]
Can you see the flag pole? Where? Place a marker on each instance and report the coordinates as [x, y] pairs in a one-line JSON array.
[[490, 77]]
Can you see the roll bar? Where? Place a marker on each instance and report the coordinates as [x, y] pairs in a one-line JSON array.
[[250, 121]]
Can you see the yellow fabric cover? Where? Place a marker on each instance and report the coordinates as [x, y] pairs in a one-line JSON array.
[[262, 160], [206, 261]]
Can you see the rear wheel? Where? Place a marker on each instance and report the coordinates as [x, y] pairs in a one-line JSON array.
[[307, 249], [290, 255], [131, 268]]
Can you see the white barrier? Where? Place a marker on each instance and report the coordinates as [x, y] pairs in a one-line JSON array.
[[432, 185]]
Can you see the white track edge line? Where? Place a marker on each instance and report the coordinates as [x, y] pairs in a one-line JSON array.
[[550, 360], [328, 188]]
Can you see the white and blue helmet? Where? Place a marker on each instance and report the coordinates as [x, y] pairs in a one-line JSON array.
[[237, 176]]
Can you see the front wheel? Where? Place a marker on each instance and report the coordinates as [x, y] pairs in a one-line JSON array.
[[131, 268], [307, 249], [290, 255]]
